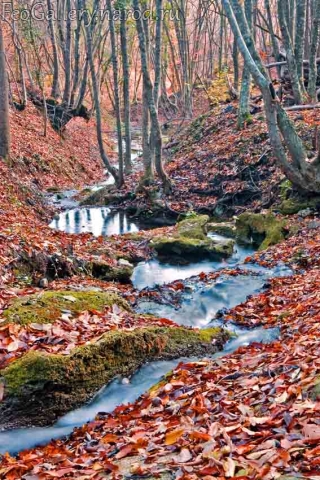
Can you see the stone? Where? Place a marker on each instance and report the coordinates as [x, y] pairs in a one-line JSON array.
[[43, 283], [124, 263], [306, 212]]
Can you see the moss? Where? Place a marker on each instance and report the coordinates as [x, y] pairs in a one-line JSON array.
[[193, 227], [192, 247], [111, 273], [265, 229], [291, 206], [46, 307], [227, 229], [40, 377], [190, 240]]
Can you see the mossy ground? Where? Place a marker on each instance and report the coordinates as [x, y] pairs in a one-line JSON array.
[[266, 229], [46, 307], [54, 384]]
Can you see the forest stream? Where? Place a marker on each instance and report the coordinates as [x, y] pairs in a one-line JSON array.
[[198, 308]]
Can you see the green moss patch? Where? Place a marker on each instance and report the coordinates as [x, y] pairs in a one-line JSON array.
[[265, 229], [193, 227], [227, 229], [189, 240], [48, 306], [291, 206], [53, 384]]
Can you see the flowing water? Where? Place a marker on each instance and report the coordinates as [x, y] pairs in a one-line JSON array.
[[116, 393], [199, 305]]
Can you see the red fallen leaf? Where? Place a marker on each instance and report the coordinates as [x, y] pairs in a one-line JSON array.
[[124, 451], [200, 436], [312, 431], [59, 473], [110, 438], [110, 466], [178, 286]]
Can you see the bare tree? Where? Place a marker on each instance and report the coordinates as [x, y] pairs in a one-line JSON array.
[[4, 103], [304, 174], [149, 92]]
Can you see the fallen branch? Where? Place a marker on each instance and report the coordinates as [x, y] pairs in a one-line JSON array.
[[295, 108]]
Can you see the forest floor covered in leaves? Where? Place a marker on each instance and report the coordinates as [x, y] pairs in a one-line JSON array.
[[255, 413], [251, 414]]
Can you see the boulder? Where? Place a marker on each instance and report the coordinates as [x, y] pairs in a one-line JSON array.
[[189, 241], [265, 229]]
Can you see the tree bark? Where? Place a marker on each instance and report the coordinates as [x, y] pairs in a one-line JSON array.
[[116, 90], [151, 105], [113, 171], [313, 67], [56, 68], [126, 89], [4, 103]]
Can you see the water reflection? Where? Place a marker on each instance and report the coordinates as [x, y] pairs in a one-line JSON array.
[[153, 272], [95, 220]]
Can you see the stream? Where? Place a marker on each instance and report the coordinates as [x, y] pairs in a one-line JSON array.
[[199, 305]]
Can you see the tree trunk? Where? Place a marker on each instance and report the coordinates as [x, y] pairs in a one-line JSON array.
[[55, 81], [126, 90], [244, 101], [95, 88], [299, 39], [313, 68], [4, 103], [116, 90], [151, 105], [67, 56], [292, 66]]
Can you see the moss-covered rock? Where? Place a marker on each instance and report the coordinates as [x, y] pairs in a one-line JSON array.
[[118, 273], [290, 206], [192, 248], [189, 240], [265, 229], [39, 387], [227, 229], [46, 307], [193, 227]]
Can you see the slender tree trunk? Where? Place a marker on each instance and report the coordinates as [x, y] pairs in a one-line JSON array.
[[300, 31], [244, 101], [292, 65], [274, 40], [235, 58], [67, 56], [116, 89], [126, 89], [313, 68], [151, 105], [113, 171], [55, 81], [4, 103], [76, 75]]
